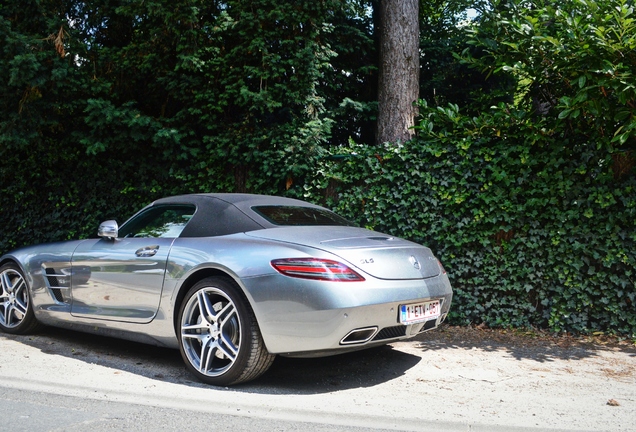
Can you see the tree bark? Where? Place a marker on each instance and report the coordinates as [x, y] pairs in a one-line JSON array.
[[398, 87]]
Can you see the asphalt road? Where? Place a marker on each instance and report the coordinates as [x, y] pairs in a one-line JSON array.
[[450, 379]]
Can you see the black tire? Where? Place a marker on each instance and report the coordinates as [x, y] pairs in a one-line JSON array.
[[16, 308], [222, 346]]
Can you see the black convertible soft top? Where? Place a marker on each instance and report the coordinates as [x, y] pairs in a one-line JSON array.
[[220, 214]]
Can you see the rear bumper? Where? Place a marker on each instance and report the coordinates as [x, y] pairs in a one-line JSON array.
[[302, 318]]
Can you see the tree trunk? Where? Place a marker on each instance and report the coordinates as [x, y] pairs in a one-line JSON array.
[[398, 87]]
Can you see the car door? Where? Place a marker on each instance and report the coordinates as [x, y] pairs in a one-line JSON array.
[[122, 278]]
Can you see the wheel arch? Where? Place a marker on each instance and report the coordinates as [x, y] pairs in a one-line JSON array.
[[197, 276], [10, 260], [251, 357]]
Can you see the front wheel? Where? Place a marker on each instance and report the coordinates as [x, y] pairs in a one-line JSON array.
[[16, 310], [219, 337]]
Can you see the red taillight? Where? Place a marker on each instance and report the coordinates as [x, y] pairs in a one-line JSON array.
[[315, 268]]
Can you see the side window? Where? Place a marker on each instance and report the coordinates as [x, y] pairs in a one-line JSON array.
[[161, 221]]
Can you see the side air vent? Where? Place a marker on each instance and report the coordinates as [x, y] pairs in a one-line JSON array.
[[57, 295], [58, 281]]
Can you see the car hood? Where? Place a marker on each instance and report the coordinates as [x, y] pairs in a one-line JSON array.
[[379, 255]]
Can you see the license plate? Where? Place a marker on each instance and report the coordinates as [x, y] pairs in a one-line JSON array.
[[419, 312]]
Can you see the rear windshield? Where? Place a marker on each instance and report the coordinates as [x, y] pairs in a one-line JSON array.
[[300, 216]]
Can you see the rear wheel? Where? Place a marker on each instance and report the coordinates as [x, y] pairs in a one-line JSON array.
[[16, 310], [219, 337]]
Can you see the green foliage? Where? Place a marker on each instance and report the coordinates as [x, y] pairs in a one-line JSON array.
[[107, 105], [224, 91], [532, 233], [444, 80], [573, 59], [349, 84]]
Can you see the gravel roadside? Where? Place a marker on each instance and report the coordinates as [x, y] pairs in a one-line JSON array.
[[452, 378]]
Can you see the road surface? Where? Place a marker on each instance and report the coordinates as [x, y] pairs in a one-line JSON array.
[[450, 379]]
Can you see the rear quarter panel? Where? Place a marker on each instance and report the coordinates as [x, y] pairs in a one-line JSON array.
[[296, 314]]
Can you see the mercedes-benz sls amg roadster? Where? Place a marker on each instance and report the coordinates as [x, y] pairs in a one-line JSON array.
[[231, 280]]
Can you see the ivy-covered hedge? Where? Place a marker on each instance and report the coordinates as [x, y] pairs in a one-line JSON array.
[[533, 230]]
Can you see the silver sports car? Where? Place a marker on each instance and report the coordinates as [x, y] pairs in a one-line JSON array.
[[231, 280]]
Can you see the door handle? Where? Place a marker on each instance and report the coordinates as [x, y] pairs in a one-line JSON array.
[[147, 251]]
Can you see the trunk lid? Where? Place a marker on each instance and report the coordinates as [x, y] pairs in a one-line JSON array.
[[379, 255]]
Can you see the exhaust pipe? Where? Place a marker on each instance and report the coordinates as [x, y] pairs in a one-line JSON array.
[[359, 336]]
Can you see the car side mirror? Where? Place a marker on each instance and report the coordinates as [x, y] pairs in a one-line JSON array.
[[108, 229]]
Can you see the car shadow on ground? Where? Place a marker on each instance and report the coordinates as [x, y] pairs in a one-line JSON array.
[[364, 368], [522, 344]]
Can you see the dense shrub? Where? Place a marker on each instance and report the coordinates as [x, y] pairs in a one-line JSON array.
[[107, 105]]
